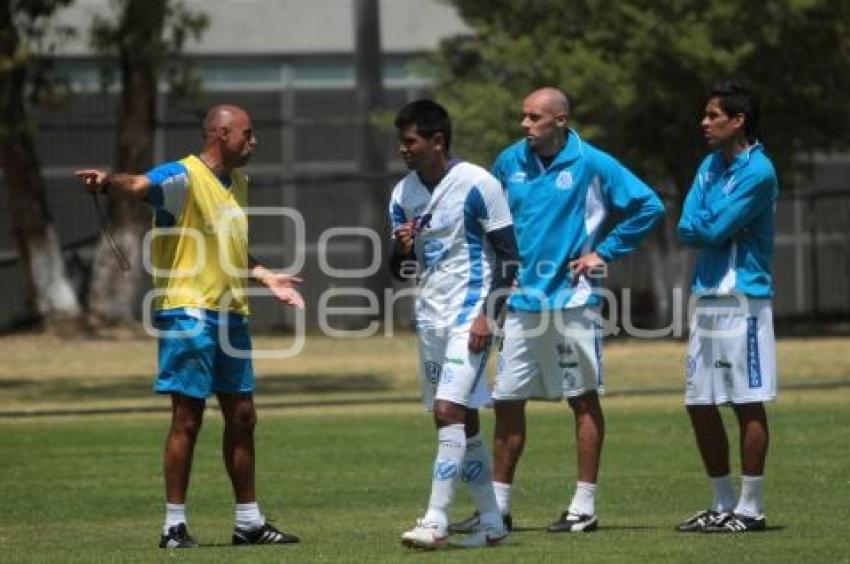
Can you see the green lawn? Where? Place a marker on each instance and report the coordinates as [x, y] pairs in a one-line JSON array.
[[350, 480], [47, 373]]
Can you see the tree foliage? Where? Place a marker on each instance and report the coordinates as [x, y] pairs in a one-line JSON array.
[[638, 72], [28, 37], [25, 38], [155, 32], [145, 38]]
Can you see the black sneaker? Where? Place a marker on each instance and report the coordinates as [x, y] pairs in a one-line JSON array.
[[739, 524], [468, 525], [572, 523], [703, 521], [267, 534], [178, 537]]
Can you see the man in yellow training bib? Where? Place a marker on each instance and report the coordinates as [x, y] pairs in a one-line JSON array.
[[200, 257]]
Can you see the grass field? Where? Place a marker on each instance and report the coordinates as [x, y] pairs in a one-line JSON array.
[[349, 480], [45, 373]]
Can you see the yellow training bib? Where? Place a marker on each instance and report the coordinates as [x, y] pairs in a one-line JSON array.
[[203, 260]]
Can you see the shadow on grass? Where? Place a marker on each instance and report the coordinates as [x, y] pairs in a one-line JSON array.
[[138, 386], [246, 547], [603, 528]]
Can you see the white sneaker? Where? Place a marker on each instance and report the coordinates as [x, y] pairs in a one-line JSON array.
[[426, 535], [484, 534]]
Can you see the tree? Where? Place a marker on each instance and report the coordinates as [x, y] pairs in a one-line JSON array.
[[638, 72], [146, 34], [369, 100], [50, 295]]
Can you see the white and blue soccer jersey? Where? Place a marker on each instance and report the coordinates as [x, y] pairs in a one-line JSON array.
[[729, 215], [453, 255], [558, 213]]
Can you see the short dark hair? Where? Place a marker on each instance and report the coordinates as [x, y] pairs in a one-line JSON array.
[[428, 116], [739, 97]]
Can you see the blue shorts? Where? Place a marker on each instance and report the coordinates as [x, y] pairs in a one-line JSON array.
[[192, 359]]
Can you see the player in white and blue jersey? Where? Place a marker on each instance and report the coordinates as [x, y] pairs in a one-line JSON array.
[[729, 216], [452, 231], [560, 190]]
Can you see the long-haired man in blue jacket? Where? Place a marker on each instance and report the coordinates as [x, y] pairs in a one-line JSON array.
[[729, 216]]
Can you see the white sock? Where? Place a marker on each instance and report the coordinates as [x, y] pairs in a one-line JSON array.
[[450, 452], [751, 503], [478, 476], [248, 516], [584, 500], [175, 513], [724, 494], [503, 497]]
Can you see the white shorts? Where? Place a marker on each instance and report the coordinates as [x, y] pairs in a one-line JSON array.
[[450, 371], [731, 352], [550, 355]]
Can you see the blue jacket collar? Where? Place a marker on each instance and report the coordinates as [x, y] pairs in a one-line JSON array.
[[742, 159], [568, 154]]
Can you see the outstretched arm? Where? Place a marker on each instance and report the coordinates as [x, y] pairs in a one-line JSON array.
[[98, 181], [283, 286]]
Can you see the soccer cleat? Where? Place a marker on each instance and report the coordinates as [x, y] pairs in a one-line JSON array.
[[739, 524], [468, 525], [483, 535], [425, 535], [572, 523], [702, 521], [267, 534], [178, 537]]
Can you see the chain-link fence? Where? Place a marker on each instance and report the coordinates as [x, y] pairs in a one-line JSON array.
[[306, 161]]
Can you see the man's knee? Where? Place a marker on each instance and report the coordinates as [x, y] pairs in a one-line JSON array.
[[510, 412], [242, 417], [187, 415], [187, 427], [752, 419], [448, 413], [510, 421], [586, 404]]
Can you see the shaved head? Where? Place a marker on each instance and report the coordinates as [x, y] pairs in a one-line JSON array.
[[221, 115], [545, 120], [551, 99], [229, 137]]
